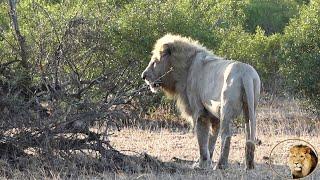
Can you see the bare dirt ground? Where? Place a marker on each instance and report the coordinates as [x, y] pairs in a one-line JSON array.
[[162, 146], [181, 147], [277, 120]]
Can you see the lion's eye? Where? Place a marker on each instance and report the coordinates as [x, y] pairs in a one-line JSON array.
[[154, 64]]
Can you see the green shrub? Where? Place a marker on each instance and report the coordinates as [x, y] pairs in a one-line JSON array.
[[257, 49], [301, 53], [272, 16], [99, 38]]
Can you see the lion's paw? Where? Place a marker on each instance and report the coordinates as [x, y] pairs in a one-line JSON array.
[[221, 166], [202, 165]]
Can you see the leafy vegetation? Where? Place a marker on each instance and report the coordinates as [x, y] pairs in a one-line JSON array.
[[300, 53], [279, 38], [272, 16]]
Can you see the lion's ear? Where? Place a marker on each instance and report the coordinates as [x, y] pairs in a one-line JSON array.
[[308, 150], [291, 150], [167, 50]]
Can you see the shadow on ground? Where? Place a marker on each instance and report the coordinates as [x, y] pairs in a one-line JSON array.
[[147, 167], [144, 166]]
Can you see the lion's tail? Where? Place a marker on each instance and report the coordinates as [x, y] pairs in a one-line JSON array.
[[251, 86]]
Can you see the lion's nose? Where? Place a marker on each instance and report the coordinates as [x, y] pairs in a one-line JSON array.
[[143, 76]]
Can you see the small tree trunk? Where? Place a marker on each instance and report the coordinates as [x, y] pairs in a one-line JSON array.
[[25, 78], [21, 39]]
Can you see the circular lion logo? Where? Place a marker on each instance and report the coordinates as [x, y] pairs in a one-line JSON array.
[[293, 159]]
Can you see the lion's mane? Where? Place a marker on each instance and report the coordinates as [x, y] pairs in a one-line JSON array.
[[185, 51]]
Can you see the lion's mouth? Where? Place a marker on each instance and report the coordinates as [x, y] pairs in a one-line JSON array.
[[154, 86], [298, 167]]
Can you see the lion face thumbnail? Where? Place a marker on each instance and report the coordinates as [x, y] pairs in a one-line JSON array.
[[301, 161]]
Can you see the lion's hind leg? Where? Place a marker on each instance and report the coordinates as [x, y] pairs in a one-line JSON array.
[[225, 120], [250, 145], [230, 109], [249, 107]]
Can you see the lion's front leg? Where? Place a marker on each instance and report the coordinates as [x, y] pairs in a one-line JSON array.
[[214, 135], [202, 130]]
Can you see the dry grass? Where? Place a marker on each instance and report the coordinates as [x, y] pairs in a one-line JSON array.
[[278, 120], [164, 150], [168, 146], [284, 116]]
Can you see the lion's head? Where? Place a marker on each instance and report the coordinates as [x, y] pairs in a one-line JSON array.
[[171, 57], [302, 161], [157, 72]]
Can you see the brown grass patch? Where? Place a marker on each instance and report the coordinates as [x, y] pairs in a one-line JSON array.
[[162, 146]]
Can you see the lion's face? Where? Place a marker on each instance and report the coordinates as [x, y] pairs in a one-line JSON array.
[[300, 160], [157, 69]]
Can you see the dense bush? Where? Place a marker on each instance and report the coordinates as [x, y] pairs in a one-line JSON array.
[[257, 49], [78, 41], [301, 53], [271, 16], [60, 76]]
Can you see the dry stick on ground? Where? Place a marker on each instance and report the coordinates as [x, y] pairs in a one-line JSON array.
[[34, 139], [53, 137]]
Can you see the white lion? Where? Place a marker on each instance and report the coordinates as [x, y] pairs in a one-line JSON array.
[[209, 90]]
